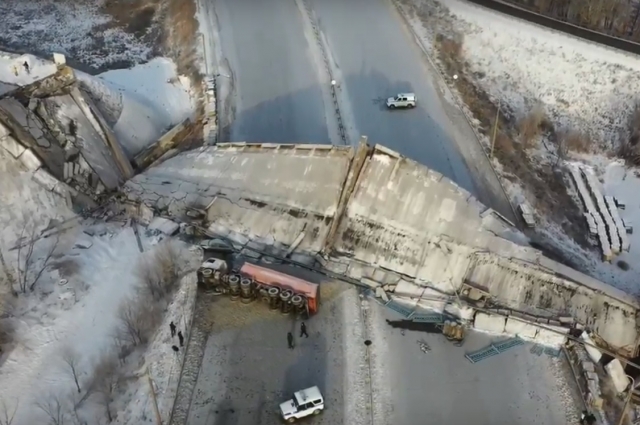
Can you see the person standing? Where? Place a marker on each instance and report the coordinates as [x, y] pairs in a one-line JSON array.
[[172, 327], [181, 338], [290, 340]]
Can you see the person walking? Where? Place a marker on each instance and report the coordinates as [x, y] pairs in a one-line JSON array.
[[303, 330], [290, 340], [181, 338], [172, 326]]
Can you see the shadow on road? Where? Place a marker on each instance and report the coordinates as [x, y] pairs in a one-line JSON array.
[[410, 132]]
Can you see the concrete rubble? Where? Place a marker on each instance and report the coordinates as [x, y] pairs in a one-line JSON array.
[[58, 129], [383, 221]]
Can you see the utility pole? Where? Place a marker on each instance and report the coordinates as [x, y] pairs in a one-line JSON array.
[[627, 400], [495, 129], [154, 399]]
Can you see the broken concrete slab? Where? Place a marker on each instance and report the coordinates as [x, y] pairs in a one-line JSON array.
[[618, 377], [370, 283], [145, 214], [12, 146], [489, 323], [552, 336], [520, 328], [30, 160], [164, 225], [382, 295], [83, 243]]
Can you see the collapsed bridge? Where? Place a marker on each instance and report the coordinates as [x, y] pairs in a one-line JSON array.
[[385, 222]]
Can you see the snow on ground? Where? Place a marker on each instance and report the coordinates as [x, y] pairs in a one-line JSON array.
[[22, 197], [75, 306], [155, 99], [141, 103], [80, 30], [163, 364], [581, 87], [13, 73]]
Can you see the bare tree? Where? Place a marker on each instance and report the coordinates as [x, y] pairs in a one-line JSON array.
[[54, 409], [137, 319], [159, 270], [6, 417], [27, 278], [7, 278], [105, 381], [75, 400], [72, 359]]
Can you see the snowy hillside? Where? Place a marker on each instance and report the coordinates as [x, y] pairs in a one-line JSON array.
[[561, 100]]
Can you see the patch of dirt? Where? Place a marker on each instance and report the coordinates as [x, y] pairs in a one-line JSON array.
[[134, 16], [179, 42], [67, 267]]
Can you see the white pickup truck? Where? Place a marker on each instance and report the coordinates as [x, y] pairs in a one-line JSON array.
[[304, 403]]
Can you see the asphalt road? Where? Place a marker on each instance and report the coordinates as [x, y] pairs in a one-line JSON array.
[[247, 369], [515, 387], [279, 80], [378, 58], [275, 94]]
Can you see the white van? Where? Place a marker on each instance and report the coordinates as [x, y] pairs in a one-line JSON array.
[[304, 403], [402, 100]]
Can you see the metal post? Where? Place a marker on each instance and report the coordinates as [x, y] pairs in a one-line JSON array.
[[495, 129], [627, 400], [153, 398], [204, 53]]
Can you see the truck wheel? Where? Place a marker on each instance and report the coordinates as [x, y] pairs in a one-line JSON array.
[[392, 106], [317, 411], [291, 420], [410, 105]]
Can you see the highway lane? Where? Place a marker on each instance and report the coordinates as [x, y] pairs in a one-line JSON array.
[[275, 93], [515, 387], [376, 58]]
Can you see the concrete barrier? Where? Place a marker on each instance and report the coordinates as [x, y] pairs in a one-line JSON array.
[[490, 323], [521, 328]]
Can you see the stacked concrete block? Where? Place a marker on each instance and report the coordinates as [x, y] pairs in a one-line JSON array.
[[490, 323], [625, 245], [552, 336], [591, 211], [30, 160], [601, 205], [521, 328], [618, 377]]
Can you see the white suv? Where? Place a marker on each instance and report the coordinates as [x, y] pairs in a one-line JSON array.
[[304, 403], [402, 100]]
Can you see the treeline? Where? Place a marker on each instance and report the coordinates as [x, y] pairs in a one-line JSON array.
[[618, 18]]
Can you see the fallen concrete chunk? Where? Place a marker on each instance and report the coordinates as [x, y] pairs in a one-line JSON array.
[[552, 336], [164, 225], [381, 294], [12, 146], [145, 214], [593, 352], [370, 283], [45, 179], [521, 329], [83, 243], [30, 160], [489, 323], [616, 372]]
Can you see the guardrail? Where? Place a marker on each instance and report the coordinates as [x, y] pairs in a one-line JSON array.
[[325, 58], [555, 24]]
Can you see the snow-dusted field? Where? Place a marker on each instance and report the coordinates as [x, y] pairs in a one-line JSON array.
[[94, 35], [581, 87]]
